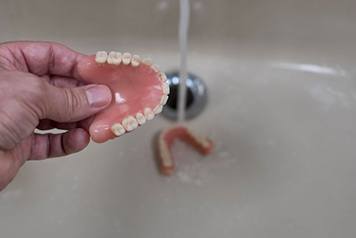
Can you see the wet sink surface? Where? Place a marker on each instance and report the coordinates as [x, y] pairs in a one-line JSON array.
[[283, 165]]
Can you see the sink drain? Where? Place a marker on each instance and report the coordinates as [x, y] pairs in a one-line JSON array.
[[196, 96]]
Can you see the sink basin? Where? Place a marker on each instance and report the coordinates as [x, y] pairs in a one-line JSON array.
[[281, 110]]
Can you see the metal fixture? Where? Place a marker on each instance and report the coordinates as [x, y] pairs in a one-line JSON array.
[[196, 96]]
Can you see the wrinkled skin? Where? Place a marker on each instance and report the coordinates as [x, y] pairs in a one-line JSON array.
[[40, 88]]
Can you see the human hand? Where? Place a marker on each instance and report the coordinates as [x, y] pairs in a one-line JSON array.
[[40, 88]]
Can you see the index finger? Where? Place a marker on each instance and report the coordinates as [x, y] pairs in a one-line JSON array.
[[40, 58]]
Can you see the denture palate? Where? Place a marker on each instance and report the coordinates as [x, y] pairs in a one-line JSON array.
[[166, 140], [139, 91]]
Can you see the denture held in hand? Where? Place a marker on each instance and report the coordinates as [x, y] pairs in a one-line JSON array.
[[139, 92], [166, 140]]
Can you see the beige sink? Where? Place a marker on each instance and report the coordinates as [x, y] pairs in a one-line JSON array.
[[282, 112]]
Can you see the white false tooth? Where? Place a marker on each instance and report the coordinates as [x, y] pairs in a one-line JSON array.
[[205, 143], [135, 61], [147, 61], [155, 68], [158, 109], [101, 57], [166, 159], [148, 113], [133, 123], [161, 143], [126, 124], [165, 88], [129, 123], [118, 129], [114, 58], [164, 100], [126, 58], [140, 118], [163, 77], [165, 155]]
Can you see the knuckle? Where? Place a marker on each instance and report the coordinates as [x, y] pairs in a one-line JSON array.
[[73, 101], [10, 135]]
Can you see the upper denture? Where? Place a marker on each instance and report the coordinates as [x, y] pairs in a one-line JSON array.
[[139, 91]]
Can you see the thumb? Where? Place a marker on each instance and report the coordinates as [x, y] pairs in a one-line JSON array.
[[74, 104]]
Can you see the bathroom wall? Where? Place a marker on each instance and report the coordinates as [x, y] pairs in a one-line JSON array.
[[236, 20]]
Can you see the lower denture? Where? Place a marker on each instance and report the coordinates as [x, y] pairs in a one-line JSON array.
[[139, 92], [166, 140]]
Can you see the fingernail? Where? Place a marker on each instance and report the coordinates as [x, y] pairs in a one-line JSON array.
[[98, 95]]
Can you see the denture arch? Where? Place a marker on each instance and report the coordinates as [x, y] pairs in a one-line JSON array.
[[139, 89], [166, 140]]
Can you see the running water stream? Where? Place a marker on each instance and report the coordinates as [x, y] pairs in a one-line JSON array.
[[183, 46]]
